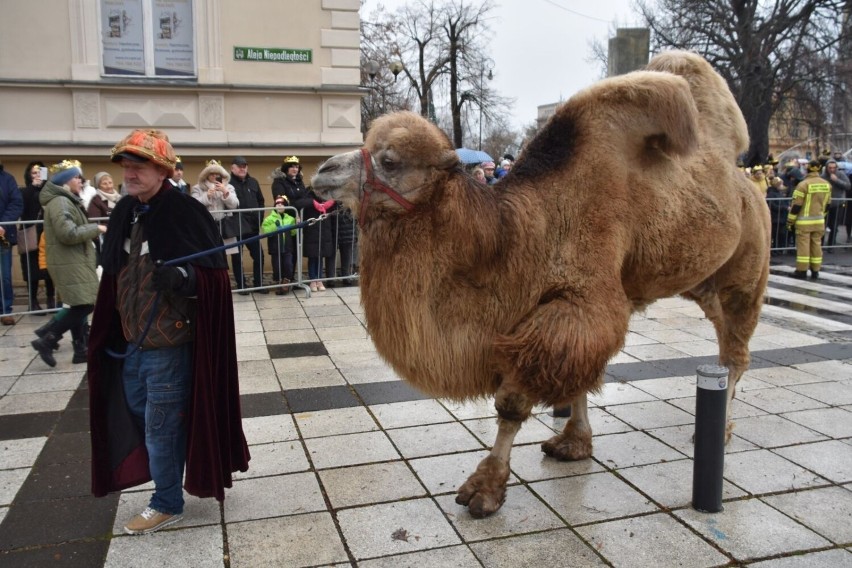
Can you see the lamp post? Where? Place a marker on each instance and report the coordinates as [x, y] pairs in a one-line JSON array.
[[372, 68], [481, 90]]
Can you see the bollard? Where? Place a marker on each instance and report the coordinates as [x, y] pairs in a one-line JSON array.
[[710, 416], [562, 412]]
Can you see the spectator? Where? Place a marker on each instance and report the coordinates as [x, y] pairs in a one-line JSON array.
[[11, 206], [29, 236], [778, 209], [317, 239], [758, 178], [807, 217], [177, 180], [174, 402], [479, 175], [488, 169], [250, 197], [68, 239], [218, 196], [505, 167], [837, 208], [102, 204], [282, 248]]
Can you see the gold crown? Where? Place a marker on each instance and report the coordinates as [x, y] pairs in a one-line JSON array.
[[178, 160], [291, 160], [65, 165], [209, 163]]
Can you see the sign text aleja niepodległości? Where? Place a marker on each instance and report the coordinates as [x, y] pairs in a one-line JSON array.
[[274, 54]]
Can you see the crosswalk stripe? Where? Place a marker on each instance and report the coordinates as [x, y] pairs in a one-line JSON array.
[[824, 303]]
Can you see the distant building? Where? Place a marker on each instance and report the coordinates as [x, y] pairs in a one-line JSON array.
[[254, 78]]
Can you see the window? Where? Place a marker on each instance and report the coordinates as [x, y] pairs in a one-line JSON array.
[[147, 38]]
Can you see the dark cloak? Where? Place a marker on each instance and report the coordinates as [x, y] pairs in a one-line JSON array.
[[216, 445]]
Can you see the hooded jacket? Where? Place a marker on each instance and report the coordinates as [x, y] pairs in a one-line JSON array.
[[68, 239]]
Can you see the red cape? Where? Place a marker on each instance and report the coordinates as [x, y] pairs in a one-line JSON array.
[[216, 445]]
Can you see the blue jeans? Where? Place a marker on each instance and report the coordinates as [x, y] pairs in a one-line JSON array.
[[6, 283], [157, 384]]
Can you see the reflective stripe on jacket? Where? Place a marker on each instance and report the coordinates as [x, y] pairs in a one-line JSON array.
[[812, 195]]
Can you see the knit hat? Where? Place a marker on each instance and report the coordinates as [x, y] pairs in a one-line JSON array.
[[489, 165], [146, 145], [98, 177], [65, 171]]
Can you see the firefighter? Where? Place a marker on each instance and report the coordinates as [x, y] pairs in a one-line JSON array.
[[807, 216]]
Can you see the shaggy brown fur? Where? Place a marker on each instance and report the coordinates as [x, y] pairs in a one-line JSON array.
[[524, 291]]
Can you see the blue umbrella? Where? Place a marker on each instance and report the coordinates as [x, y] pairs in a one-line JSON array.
[[468, 156]]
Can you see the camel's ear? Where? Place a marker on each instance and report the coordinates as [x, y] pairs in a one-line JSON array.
[[448, 160]]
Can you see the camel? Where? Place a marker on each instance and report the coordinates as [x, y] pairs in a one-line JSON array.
[[524, 290]]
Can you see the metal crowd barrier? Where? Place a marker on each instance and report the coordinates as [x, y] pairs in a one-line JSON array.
[[337, 274], [838, 221]]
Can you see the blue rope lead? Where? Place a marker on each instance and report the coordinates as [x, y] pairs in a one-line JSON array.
[[138, 345]]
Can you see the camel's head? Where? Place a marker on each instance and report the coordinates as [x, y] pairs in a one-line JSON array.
[[402, 162]]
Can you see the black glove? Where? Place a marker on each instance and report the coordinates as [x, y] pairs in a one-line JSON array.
[[168, 278]]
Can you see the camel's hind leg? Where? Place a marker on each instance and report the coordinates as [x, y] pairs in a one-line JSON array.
[[575, 441], [485, 490], [735, 314]]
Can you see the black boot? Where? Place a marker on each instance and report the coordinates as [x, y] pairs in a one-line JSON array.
[[43, 331], [800, 274], [814, 274], [44, 346], [51, 303], [80, 340]]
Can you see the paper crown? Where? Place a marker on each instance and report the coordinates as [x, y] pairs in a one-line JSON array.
[[65, 165]]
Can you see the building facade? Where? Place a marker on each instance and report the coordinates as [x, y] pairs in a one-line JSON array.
[[257, 78]]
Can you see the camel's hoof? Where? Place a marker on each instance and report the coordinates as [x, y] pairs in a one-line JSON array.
[[565, 448], [484, 492]]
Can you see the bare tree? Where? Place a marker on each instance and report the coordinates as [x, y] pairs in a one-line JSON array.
[[770, 53], [442, 45]]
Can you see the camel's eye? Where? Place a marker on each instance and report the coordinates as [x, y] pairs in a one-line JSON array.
[[388, 164]]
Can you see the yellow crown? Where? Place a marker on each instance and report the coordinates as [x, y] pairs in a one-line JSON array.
[[177, 159], [210, 163], [291, 160], [65, 165]]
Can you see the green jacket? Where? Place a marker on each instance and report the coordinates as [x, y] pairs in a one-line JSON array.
[[275, 221], [70, 251]]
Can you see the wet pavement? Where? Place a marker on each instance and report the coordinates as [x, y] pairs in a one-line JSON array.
[[352, 467]]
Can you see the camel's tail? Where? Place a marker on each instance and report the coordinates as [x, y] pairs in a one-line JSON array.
[[719, 115]]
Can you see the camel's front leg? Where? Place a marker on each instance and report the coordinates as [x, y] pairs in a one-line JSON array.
[[485, 490], [575, 441]]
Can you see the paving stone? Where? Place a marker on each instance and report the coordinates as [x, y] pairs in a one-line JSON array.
[[394, 528], [77, 554], [551, 548], [830, 459], [299, 540], [737, 531], [670, 483], [762, 471], [827, 511], [372, 483], [33, 425], [350, 449], [199, 546], [452, 556], [265, 497], [321, 398], [53, 522], [631, 448], [590, 498], [837, 558], [650, 541]]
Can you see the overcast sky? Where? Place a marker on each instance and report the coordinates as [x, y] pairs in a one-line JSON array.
[[541, 47]]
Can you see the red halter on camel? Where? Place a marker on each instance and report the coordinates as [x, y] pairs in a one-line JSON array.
[[376, 184]]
